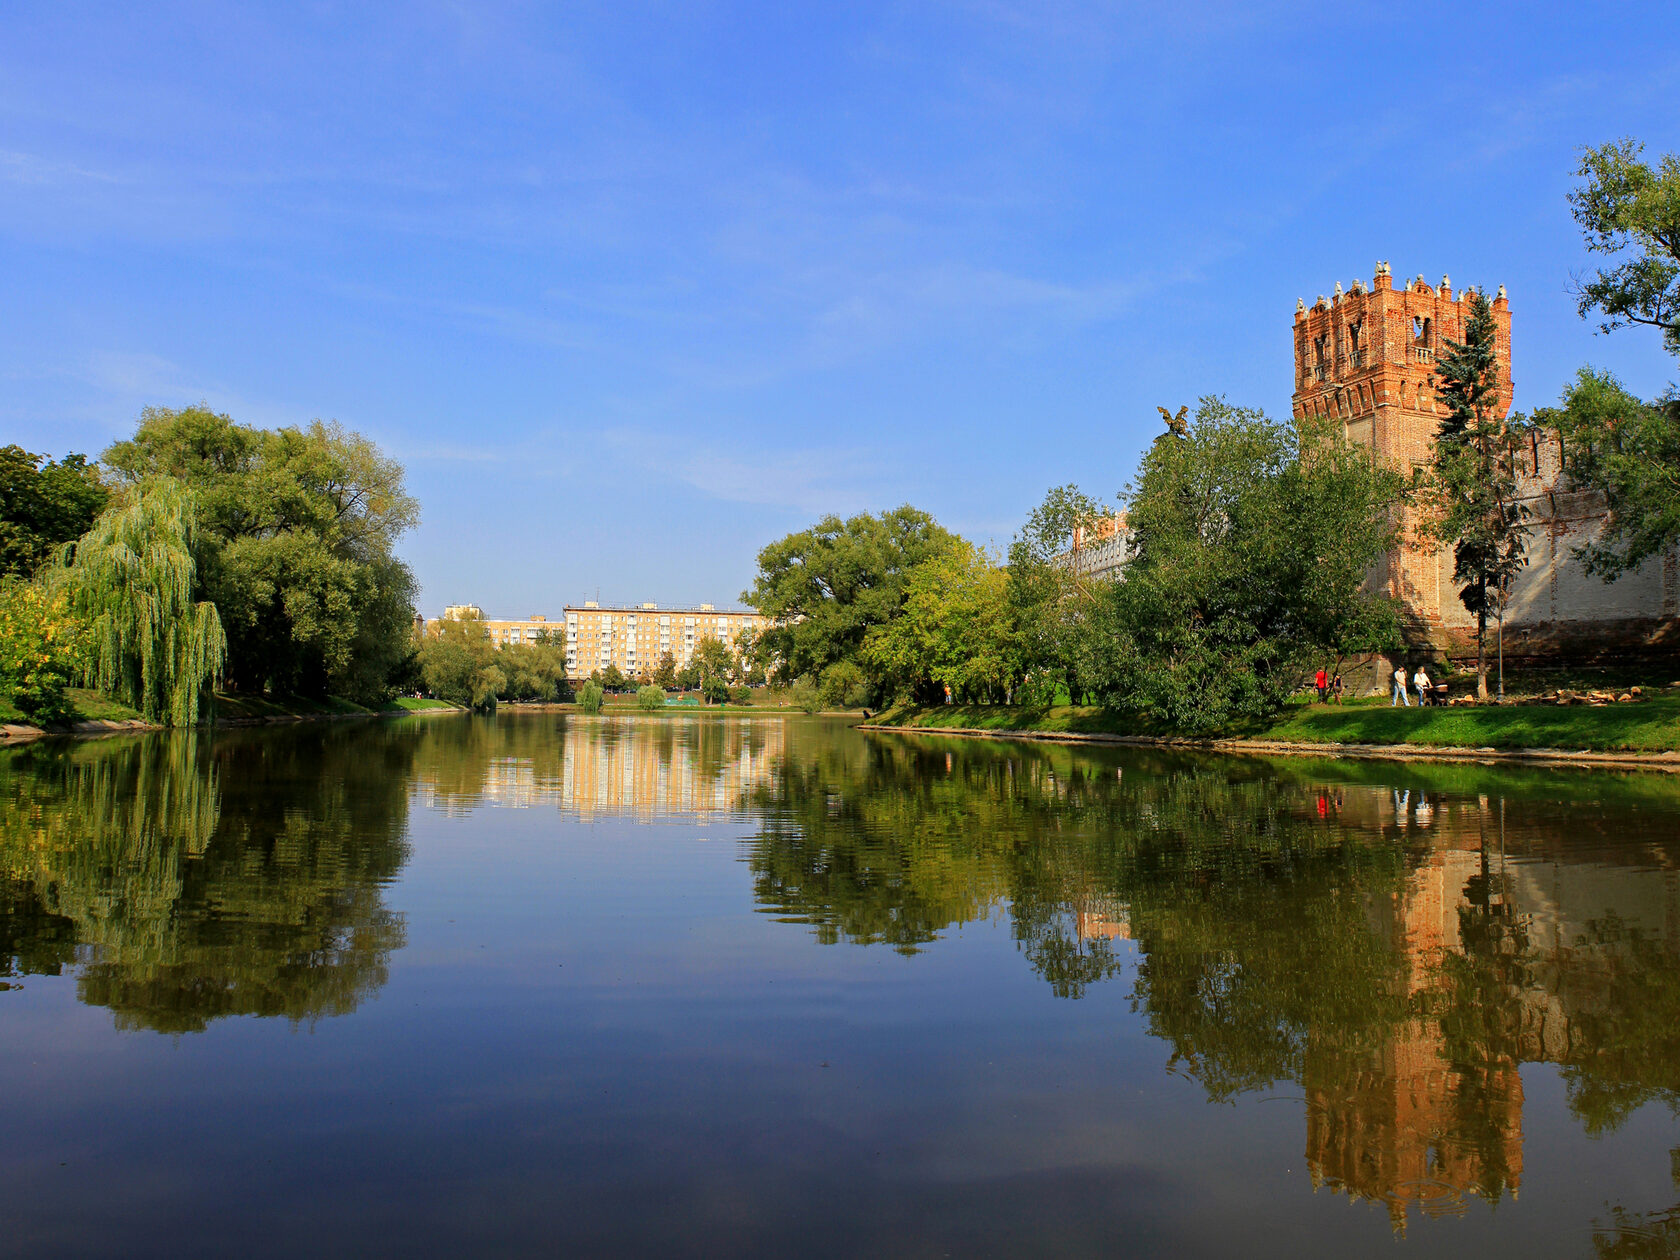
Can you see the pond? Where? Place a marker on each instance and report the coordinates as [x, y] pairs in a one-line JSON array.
[[694, 985]]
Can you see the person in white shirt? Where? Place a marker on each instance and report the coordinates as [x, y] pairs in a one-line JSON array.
[[1420, 680], [1400, 696]]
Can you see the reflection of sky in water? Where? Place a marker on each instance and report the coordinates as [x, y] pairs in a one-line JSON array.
[[1074, 1002]]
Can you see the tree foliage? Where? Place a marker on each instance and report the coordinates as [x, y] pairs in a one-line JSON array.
[[1471, 482], [650, 698], [131, 581], [591, 696], [1050, 596], [532, 671], [825, 588], [1250, 544], [1630, 210], [42, 650], [459, 663], [295, 535], [955, 630], [44, 504], [1628, 451], [665, 673], [716, 666]]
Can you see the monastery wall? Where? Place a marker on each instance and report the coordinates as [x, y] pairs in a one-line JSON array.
[[1367, 357]]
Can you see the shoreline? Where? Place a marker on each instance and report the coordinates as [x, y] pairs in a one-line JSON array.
[[15, 733], [1664, 761]]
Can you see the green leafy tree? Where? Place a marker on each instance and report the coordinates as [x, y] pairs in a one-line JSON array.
[[716, 665], [459, 663], [131, 580], [42, 650], [1628, 451], [612, 678], [955, 630], [44, 504], [844, 686], [824, 588], [295, 539], [650, 698], [1471, 482], [1630, 210], [665, 673], [1614, 444], [591, 697], [688, 677], [1049, 594], [532, 671], [806, 695], [1251, 540]]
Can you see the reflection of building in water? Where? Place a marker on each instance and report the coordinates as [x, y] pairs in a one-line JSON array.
[[1412, 1124], [1406, 1125], [642, 770], [1102, 918], [641, 777]]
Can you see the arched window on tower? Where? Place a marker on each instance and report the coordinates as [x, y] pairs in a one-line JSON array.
[[1356, 343], [1422, 349]]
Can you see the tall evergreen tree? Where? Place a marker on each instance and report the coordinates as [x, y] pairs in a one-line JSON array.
[[130, 579], [1472, 480]]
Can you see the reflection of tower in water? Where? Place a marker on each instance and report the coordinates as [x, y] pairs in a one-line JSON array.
[[1515, 945], [1403, 1124]]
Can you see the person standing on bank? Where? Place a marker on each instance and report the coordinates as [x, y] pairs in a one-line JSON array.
[[1421, 681], [1321, 684], [1400, 697], [1336, 688]]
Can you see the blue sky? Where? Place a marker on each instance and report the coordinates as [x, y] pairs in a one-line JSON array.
[[633, 289]]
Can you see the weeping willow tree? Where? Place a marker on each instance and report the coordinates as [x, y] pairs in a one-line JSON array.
[[130, 580]]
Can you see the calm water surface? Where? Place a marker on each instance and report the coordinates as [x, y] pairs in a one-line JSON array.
[[696, 986]]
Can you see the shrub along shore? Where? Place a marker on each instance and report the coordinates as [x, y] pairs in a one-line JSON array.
[[1648, 729]]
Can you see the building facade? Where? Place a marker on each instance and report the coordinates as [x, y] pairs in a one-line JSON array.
[[1367, 358], [635, 638], [503, 632]]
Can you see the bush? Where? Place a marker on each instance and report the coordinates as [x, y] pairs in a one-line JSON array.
[[805, 695], [40, 651], [714, 691], [650, 697], [844, 686], [590, 697], [740, 695]]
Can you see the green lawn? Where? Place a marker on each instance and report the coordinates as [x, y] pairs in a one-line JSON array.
[[412, 704], [235, 705], [1651, 725], [90, 707]]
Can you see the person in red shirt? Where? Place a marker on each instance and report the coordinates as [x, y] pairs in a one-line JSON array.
[[1321, 683]]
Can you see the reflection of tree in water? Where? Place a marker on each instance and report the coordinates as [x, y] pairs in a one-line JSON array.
[[1372, 955], [193, 879], [861, 844]]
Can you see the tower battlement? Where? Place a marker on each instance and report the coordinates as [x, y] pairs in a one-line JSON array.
[[1367, 356]]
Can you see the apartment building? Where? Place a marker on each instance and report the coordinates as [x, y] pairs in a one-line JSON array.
[[503, 632], [634, 638]]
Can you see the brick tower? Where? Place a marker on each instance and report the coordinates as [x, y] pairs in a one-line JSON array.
[[1368, 358]]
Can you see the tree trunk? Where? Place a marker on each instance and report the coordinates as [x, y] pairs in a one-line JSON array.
[[1481, 657]]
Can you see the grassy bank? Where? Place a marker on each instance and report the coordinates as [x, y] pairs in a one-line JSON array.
[[242, 708], [1651, 725], [91, 706]]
